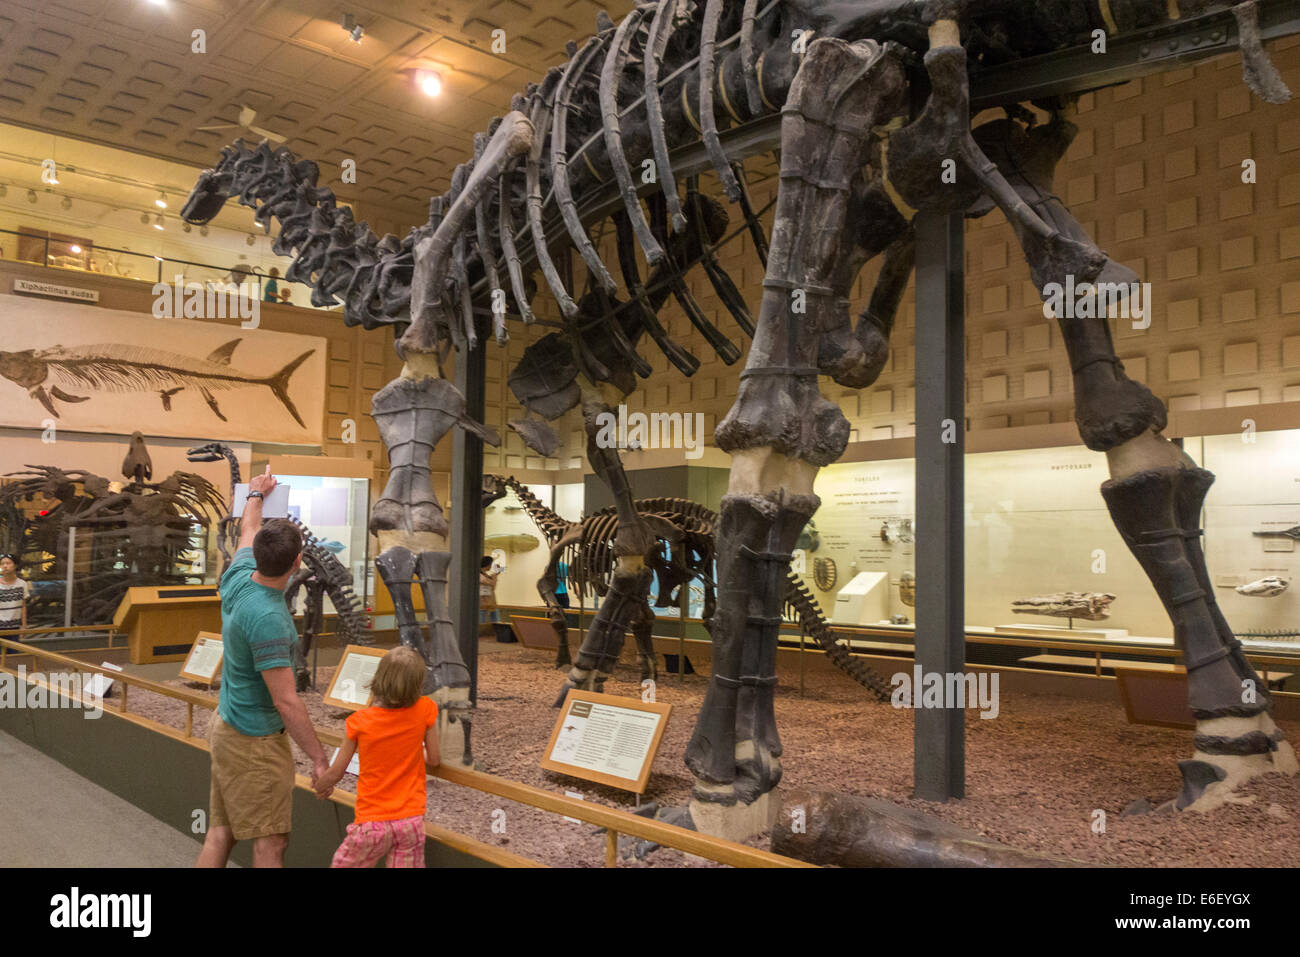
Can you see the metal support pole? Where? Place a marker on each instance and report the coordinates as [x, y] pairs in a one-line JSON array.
[[939, 755], [67, 592], [684, 609], [467, 512]]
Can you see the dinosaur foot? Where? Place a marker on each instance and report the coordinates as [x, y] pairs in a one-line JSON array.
[[1229, 752], [678, 816]]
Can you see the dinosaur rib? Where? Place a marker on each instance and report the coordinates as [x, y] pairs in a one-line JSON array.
[[722, 283], [682, 359], [708, 121], [459, 274], [560, 165], [751, 219], [656, 44], [485, 251], [506, 232], [540, 114], [724, 347], [752, 92], [613, 130]]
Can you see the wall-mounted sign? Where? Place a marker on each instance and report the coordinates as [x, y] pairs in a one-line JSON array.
[[54, 290], [350, 687], [607, 739]]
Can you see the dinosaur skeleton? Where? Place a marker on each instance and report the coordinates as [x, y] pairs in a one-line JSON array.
[[140, 534], [321, 574], [586, 548], [864, 138]]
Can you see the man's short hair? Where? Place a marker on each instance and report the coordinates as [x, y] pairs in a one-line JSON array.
[[276, 546]]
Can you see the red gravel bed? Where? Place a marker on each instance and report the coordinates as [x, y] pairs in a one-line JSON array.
[[1035, 775]]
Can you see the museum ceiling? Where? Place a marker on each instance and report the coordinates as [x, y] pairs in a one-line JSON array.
[[123, 73]]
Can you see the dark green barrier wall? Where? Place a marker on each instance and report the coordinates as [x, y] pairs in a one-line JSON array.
[[169, 779]]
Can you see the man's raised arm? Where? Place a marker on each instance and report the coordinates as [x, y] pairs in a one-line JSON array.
[[250, 523]]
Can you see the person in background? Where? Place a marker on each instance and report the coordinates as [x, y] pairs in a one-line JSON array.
[[13, 597], [270, 291], [252, 763], [387, 738], [284, 296], [562, 584], [487, 592]]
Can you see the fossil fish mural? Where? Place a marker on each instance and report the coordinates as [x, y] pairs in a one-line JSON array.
[[62, 374]]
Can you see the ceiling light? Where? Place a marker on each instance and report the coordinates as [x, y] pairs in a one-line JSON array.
[[186, 227], [144, 219], [355, 30], [158, 222], [67, 202], [430, 83], [161, 201], [74, 249], [250, 239], [203, 230], [31, 196]]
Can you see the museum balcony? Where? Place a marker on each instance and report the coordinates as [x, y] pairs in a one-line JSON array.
[[89, 210]]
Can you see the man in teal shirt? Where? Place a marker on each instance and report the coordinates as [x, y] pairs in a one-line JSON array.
[[252, 762]]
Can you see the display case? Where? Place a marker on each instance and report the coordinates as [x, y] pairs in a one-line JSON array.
[[1036, 526], [336, 509]]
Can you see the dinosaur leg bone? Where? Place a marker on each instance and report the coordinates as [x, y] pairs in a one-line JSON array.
[[631, 579], [781, 429]]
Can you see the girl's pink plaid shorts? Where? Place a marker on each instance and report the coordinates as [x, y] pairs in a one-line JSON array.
[[402, 840]]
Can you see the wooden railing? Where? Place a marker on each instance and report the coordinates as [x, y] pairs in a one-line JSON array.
[[1095, 650], [614, 821], [65, 629]]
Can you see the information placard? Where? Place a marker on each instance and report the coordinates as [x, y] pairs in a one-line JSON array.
[[607, 739], [350, 686], [204, 662]]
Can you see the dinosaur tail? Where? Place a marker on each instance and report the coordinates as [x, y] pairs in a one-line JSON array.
[[279, 384]]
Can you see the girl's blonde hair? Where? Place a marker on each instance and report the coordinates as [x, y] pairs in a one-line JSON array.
[[399, 678]]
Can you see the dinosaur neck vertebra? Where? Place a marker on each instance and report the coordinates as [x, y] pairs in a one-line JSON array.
[[548, 522]]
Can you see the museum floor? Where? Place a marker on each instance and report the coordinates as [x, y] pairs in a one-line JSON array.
[[53, 817]]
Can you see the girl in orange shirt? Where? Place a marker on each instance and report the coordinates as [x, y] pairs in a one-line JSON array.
[[391, 786]]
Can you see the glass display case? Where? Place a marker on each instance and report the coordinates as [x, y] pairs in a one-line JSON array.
[[1036, 525], [336, 509]]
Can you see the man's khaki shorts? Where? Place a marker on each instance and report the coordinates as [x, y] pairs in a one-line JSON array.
[[252, 782]]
